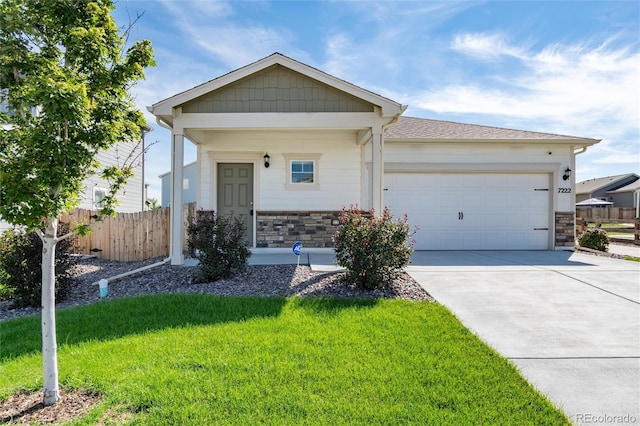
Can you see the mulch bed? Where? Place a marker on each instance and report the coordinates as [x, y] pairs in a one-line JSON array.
[[28, 408]]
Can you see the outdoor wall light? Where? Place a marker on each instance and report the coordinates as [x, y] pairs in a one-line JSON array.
[[567, 174], [266, 160]]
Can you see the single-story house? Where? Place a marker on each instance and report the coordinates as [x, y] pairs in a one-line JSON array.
[[601, 187], [287, 146], [627, 196]]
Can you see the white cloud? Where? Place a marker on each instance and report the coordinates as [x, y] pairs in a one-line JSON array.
[[583, 89], [212, 27], [199, 8], [485, 46], [237, 46], [622, 158], [388, 43]]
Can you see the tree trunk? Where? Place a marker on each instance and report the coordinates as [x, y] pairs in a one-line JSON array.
[[49, 345]]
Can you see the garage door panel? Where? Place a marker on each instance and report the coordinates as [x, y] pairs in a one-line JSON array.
[[473, 210]]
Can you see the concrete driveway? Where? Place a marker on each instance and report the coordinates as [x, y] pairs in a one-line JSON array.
[[569, 321]]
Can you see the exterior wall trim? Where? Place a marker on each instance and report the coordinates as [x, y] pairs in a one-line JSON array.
[[401, 167]]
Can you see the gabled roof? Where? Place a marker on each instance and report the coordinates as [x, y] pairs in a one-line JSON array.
[[635, 186], [592, 185], [412, 128], [389, 108]]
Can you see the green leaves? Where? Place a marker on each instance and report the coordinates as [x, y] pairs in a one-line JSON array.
[[374, 250], [596, 239], [65, 77], [218, 243]]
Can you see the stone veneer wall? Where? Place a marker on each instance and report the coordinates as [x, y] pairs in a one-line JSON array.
[[282, 229], [565, 229]]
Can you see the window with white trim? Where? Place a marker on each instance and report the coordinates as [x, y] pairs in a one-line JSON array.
[[302, 172], [98, 196]]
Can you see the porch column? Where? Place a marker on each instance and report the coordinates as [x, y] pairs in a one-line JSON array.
[[377, 164], [177, 171]]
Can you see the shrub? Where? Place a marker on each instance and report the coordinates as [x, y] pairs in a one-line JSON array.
[[218, 242], [596, 239], [373, 250], [21, 267]]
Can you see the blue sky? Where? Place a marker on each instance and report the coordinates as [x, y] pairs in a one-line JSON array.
[[560, 67]]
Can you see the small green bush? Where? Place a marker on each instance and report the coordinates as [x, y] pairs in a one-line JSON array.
[[21, 267], [373, 250], [218, 242], [596, 239]]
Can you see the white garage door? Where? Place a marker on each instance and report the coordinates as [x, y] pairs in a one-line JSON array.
[[473, 211]]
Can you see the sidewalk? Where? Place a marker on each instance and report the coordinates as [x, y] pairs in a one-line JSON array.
[[624, 249], [325, 262]]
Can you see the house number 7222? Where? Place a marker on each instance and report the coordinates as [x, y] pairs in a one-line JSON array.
[[564, 190]]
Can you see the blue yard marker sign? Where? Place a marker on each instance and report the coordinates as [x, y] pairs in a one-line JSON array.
[[297, 248]]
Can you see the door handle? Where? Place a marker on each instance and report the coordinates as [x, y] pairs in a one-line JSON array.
[[460, 215], [251, 212]]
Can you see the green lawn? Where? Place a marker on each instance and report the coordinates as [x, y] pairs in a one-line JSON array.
[[196, 359]]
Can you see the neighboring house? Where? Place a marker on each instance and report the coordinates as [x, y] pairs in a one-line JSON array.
[[287, 146], [601, 188], [133, 197], [627, 196], [95, 188], [189, 187]]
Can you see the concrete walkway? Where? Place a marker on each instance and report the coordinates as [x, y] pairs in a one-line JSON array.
[[625, 249], [569, 321]]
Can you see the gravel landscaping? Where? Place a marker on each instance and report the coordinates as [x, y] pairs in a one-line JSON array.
[[267, 281]]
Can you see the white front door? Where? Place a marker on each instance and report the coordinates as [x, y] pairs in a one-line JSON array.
[[473, 211]]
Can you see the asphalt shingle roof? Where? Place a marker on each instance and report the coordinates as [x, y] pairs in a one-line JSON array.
[[631, 187], [591, 185], [423, 128]]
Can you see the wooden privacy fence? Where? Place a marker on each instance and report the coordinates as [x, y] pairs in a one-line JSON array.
[[127, 236], [607, 213]]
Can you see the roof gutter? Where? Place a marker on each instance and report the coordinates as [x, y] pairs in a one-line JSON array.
[[163, 124], [581, 150], [395, 119]]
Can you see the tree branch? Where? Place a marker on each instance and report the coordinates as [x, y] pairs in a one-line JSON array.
[[40, 234], [65, 236]]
